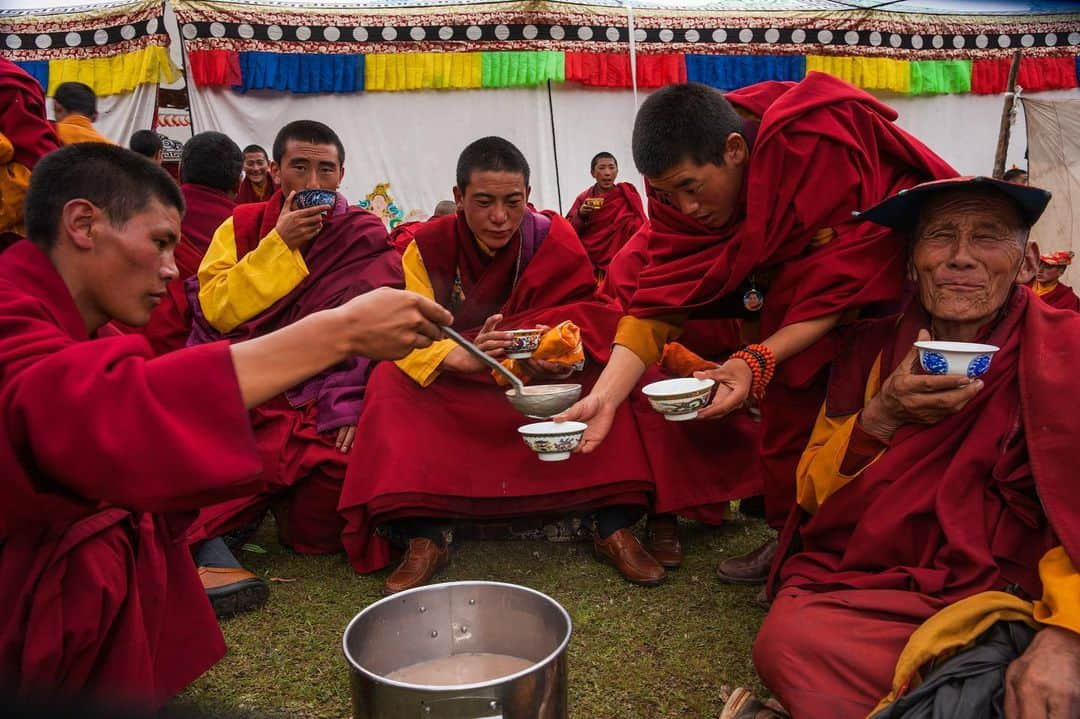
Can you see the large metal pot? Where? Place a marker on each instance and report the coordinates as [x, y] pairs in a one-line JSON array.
[[443, 620]]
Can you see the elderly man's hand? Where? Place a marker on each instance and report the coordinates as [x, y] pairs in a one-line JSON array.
[[1044, 683], [910, 398]]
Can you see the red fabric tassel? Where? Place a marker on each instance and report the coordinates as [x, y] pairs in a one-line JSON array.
[[990, 77], [611, 70], [214, 67]]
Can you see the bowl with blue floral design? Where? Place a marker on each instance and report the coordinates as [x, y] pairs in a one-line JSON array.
[[679, 399], [963, 359], [313, 198], [552, 441]]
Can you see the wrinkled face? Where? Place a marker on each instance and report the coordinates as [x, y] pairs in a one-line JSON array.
[[605, 173], [256, 167], [306, 166], [494, 203], [969, 249], [1049, 274], [708, 193], [128, 267]]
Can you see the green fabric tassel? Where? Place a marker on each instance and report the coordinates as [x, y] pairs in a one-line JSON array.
[[520, 69], [936, 77]]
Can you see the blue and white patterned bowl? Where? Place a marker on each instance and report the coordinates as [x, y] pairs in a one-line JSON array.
[[553, 441], [312, 198], [679, 399], [963, 359], [523, 343]]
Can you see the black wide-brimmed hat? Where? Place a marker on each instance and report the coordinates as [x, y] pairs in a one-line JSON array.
[[902, 210]]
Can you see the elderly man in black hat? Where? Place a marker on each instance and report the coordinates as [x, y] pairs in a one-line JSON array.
[[935, 550]]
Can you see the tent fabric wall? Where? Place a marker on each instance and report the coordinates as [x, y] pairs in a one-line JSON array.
[[1053, 133]]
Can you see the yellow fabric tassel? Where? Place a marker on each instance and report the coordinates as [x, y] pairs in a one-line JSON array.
[[117, 73], [871, 73], [422, 71]]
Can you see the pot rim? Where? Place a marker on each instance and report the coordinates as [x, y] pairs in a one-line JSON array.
[[456, 687]]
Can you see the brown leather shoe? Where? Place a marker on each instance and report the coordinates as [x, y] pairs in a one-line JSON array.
[[662, 540], [232, 591], [623, 550], [749, 568], [422, 561]]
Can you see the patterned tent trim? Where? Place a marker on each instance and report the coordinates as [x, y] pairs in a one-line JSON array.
[[359, 38], [110, 31]]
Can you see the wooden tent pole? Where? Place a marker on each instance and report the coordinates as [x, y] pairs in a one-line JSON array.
[[1006, 117]]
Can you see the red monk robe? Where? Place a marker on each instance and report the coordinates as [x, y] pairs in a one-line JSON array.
[[170, 322], [451, 449], [296, 431], [716, 457], [949, 510], [105, 455], [247, 193], [610, 227], [823, 149], [25, 137], [1060, 296]]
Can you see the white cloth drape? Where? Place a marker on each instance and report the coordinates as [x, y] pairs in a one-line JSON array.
[[1053, 130], [121, 115]]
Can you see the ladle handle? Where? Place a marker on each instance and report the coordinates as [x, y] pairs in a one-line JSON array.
[[484, 357]]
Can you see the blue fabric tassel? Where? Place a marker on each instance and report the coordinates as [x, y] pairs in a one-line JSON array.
[[38, 69], [301, 73], [730, 72]]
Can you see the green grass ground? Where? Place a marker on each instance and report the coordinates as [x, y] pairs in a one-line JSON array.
[[635, 652]]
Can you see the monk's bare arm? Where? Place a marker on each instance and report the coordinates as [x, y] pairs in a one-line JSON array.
[[734, 378], [382, 324], [615, 384]]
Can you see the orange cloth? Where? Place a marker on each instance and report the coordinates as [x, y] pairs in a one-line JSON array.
[[683, 362], [561, 345], [77, 128], [14, 181]]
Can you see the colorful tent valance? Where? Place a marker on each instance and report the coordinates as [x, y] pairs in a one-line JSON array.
[[989, 77], [82, 31], [936, 77], [301, 73], [519, 69], [609, 70], [871, 73], [117, 73], [423, 71], [37, 69], [729, 72], [214, 67]]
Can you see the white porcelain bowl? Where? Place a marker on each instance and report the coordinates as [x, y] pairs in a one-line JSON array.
[[523, 343], [965, 359], [553, 441], [679, 399]]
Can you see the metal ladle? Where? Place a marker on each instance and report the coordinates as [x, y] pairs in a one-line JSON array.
[[540, 401]]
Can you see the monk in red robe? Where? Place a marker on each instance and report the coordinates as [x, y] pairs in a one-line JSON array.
[[439, 436], [26, 136], [606, 215], [257, 183], [270, 265], [942, 499], [751, 198], [719, 458], [209, 171], [1048, 285], [106, 452]]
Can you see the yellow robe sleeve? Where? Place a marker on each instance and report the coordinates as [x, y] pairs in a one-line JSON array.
[[231, 292], [422, 365], [646, 338], [819, 474], [1060, 604]]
